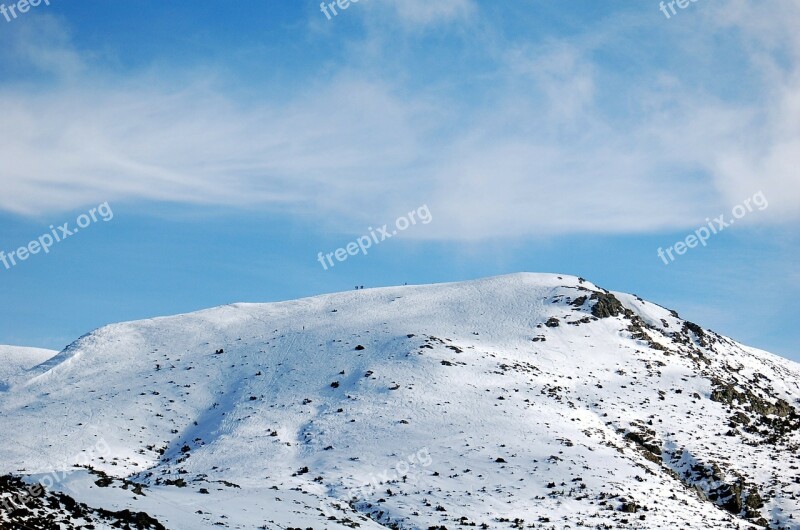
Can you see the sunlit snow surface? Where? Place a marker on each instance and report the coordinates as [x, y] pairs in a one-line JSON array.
[[16, 360], [422, 405]]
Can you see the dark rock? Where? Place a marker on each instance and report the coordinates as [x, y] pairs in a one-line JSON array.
[[606, 305]]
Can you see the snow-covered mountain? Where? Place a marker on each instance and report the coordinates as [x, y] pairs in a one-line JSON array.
[[16, 360], [522, 401]]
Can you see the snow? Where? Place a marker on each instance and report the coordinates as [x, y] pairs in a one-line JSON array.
[[15, 360], [455, 376]]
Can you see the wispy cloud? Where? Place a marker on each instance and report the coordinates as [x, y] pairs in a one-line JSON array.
[[538, 153], [425, 13]]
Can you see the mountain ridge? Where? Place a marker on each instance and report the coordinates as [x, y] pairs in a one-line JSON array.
[[590, 399]]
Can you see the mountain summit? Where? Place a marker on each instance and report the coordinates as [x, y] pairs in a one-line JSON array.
[[520, 401]]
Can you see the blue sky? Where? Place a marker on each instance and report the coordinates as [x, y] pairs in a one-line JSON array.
[[235, 141]]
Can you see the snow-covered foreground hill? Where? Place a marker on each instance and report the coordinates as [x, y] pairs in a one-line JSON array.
[[522, 401], [15, 360]]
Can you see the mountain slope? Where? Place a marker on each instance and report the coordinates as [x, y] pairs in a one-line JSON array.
[[15, 360], [528, 400]]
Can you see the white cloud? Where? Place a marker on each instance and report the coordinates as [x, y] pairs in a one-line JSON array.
[[426, 12], [543, 157], [766, 151], [84, 143], [562, 74]]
